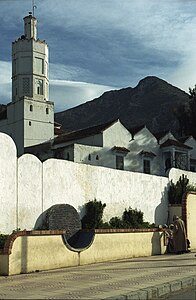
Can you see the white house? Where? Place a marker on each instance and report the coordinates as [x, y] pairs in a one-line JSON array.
[[114, 146]]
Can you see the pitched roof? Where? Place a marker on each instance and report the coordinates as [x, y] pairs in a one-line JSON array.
[[82, 133], [36, 148], [175, 143], [185, 138], [161, 134], [136, 129]]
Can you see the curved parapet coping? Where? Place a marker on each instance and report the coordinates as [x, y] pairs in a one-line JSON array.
[[80, 243], [10, 240]]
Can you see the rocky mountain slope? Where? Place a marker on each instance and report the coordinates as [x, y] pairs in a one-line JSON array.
[[151, 102]]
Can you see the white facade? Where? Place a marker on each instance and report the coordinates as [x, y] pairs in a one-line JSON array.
[[112, 145], [30, 116]]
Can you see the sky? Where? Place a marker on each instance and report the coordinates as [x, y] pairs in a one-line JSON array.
[[101, 45]]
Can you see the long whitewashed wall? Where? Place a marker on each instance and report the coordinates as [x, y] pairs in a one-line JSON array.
[[75, 184], [29, 187]]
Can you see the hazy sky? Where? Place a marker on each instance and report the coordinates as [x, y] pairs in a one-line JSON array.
[[99, 45]]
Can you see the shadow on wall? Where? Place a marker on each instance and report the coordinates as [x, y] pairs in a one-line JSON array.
[[24, 255], [65, 217], [156, 243], [161, 211]]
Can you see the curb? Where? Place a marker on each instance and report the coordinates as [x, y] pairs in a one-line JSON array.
[[161, 290]]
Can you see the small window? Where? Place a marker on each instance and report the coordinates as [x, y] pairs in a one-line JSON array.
[[29, 123], [119, 162], [89, 157], [31, 107], [39, 86], [146, 166], [97, 157], [47, 110]]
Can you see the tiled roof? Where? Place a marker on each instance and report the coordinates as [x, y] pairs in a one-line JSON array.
[[147, 153], [58, 131], [82, 133], [36, 148], [175, 143], [120, 149]]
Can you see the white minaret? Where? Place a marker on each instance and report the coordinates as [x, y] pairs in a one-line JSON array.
[[30, 116], [29, 64]]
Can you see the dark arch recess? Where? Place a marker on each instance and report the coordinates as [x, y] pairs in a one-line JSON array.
[[65, 217]]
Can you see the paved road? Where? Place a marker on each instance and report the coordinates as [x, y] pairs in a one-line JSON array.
[[147, 277], [187, 294]]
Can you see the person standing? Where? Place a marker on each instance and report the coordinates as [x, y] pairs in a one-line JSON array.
[[179, 236]]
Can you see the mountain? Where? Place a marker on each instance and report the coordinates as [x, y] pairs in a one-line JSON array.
[[152, 102]]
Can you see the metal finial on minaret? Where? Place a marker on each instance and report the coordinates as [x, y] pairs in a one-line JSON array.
[[34, 6]]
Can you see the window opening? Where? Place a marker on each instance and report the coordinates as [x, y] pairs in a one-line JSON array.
[[146, 166], [119, 162], [31, 107]]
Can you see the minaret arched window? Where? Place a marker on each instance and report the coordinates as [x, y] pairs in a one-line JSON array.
[[31, 107]]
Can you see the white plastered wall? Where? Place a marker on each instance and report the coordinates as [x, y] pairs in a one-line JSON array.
[[41, 185], [30, 204], [191, 220], [75, 184], [8, 184]]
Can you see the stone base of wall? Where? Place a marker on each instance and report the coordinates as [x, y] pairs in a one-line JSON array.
[[31, 251]]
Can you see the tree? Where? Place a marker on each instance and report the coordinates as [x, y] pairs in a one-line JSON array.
[[186, 115]]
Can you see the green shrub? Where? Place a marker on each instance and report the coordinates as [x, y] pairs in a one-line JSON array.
[[93, 215], [3, 238], [116, 222], [132, 218]]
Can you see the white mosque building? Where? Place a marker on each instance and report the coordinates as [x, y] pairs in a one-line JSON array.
[[29, 118]]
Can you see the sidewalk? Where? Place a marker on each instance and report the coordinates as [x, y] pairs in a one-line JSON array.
[[136, 278]]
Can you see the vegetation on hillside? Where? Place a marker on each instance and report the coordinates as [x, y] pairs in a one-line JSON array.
[[186, 115]]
